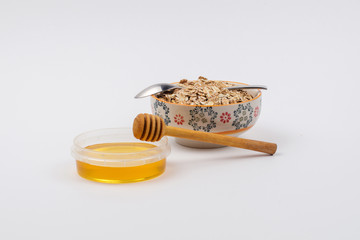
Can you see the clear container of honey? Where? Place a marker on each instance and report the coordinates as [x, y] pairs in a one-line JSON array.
[[114, 155]]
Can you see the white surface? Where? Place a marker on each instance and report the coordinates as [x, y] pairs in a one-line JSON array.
[[71, 66]]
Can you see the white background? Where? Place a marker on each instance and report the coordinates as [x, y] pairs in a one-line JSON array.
[[71, 66]]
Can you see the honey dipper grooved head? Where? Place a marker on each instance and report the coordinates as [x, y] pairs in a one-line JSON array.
[[148, 127]]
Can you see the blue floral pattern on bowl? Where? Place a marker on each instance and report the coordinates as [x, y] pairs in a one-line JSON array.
[[202, 118], [161, 110], [243, 116]]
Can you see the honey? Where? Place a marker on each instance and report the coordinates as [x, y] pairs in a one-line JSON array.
[[118, 168]]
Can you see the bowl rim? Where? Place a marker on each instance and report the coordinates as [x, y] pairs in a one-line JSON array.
[[223, 105]]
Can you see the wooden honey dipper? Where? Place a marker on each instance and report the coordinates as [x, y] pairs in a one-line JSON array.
[[151, 128]]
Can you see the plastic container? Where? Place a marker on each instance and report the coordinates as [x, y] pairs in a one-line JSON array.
[[116, 156]]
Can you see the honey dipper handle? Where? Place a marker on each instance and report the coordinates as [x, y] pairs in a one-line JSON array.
[[254, 145]]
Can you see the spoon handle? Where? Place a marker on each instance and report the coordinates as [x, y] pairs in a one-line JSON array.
[[259, 146], [247, 87]]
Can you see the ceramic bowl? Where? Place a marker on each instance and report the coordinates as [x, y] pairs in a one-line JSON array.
[[232, 119]]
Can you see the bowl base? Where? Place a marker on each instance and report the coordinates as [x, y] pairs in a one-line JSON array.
[[204, 145], [196, 144]]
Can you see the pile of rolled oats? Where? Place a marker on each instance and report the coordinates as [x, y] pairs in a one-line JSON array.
[[204, 92]]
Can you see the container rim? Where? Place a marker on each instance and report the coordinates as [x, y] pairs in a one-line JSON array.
[[78, 151]]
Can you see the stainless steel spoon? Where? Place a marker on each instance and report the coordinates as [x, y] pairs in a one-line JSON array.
[[162, 87], [156, 88]]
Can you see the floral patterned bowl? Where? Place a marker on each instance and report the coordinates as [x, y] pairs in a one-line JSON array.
[[231, 119]]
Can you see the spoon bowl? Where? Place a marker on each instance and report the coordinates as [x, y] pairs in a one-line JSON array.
[[156, 88]]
